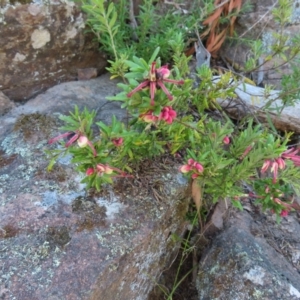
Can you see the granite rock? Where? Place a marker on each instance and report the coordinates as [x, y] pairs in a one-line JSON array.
[[43, 43], [5, 104], [58, 241], [242, 264]]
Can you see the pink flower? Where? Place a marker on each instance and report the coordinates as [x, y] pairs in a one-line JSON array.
[[226, 140], [193, 166], [266, 165], [156, 78], [118, 141], [90, 171], [273, 165], [199, 167], [191, 161], [149, 117], [280, 162], [81, 139], [168, 114], [274, 169], [103, 169], [292, 155]]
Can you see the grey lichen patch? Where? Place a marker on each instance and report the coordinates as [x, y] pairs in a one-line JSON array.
[[29, 161], [122, 241], [33, 124], [28, 252]]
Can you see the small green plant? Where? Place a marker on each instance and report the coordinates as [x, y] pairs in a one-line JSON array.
[[217, 157], [119, 32]]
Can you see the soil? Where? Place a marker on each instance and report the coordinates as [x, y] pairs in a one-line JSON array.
[[186, 290]]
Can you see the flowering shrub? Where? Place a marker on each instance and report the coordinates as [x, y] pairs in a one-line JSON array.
[[220, 158]]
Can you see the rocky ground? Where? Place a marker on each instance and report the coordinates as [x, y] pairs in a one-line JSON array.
[[52, 229], [252, 257]]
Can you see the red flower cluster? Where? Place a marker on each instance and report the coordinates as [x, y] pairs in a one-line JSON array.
[[273, 165], [192, 166], [167, 114], [102, 169], [292, 155], [279, 163]]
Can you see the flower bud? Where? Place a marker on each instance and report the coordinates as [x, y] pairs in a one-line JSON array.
[[280, 162], [185, 168], [226, 140], [266, 165], [108, 170], [89, 171], [284, 213], [100, 168], [163, 72], [82, 141]]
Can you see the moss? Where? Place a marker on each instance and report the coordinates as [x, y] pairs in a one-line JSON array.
[[58, 236], [8, 231], [35, 124], [58, 173], [20, 1], [91, 215], [6, 160]]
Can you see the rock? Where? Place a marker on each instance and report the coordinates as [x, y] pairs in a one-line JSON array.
[[86, 74], [252, 99], [216, 221], [43, 43], [5, 104], [240, 264], [58, 241], [259, 23]]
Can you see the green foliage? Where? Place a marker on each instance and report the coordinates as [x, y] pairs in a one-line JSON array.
[[117, 37], [168, 114], [103, 23], [226, 158]]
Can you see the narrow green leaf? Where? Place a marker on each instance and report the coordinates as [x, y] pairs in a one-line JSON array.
[[154, 55], [113, 20]]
